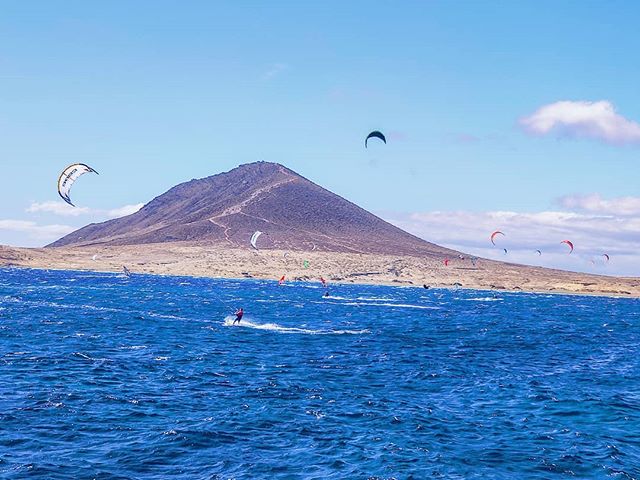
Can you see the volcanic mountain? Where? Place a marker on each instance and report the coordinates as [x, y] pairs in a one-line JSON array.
[[228, 208]]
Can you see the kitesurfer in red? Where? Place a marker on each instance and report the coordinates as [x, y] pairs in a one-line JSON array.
[[238, 315]]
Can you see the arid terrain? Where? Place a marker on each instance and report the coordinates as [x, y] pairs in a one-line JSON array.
[[223, 261], [202, 228]]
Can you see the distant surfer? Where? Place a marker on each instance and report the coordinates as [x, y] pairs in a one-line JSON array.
[[326, 294], [126, 271], [425, 286], [238, 315]]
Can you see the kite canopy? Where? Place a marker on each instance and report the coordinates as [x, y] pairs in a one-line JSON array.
[[505, 251], [375, 134], [568, 242], [493, 236], [254, 239], [606, 256], [539, 252], [68, 177]]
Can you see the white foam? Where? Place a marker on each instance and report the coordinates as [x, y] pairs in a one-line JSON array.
[[482, 299], [82, 355], [375, 299], [393, 305], [228, 322], [375, 302], [363, 299], [162, 315]]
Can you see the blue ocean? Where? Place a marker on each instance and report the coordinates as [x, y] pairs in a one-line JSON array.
[[104, 376]]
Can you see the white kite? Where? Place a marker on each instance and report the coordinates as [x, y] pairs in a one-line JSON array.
[[254, 239], [68, 177]]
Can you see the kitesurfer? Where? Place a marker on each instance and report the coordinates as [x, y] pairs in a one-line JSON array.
[[326, 294], [238, 315]]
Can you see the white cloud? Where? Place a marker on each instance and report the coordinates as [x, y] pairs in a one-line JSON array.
[[595, 203], [57, 208], [597, 120], [35, 231], [124, 211], [31, 233], [274, 70], [64, 209], [592, 234]]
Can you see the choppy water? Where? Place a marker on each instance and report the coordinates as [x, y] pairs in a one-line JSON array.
[[107, 377]]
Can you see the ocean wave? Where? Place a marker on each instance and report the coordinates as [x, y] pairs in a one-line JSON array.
[[376, 302], [482, 299], [95, 308], [392, 305], [303, 377], [362, 299], [274, 327]]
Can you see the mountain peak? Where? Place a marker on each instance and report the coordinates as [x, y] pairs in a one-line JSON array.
[[227, 208]]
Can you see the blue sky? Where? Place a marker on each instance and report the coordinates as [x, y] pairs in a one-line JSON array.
[[152, 93]]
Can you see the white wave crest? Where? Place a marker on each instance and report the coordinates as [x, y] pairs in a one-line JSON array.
[[274, 327]]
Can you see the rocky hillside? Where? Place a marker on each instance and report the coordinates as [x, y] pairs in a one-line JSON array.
[[293, 212]]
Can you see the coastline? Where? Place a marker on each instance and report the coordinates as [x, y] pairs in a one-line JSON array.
[[221, 261]]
